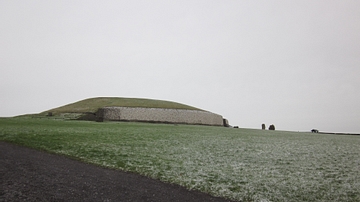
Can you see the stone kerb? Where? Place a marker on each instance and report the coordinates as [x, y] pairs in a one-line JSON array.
[[160, 115]]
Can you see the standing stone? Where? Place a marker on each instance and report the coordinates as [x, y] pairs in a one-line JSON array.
[[271, 127], [226, 123], [263, 126]]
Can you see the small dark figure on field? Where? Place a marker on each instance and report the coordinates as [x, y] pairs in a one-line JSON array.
[[263, 126], [49, 114], [314, 130], [271, 127]]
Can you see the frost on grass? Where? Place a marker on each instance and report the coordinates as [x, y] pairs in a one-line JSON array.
[[246, 165]]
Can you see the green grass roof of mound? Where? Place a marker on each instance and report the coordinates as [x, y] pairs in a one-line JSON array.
[[93, 104]]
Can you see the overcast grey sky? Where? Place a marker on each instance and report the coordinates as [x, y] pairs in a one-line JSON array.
[[294, 64]]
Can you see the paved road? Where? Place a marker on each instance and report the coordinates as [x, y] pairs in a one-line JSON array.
[[30, 175]]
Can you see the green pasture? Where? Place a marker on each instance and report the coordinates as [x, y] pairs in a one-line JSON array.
[[238, 164]]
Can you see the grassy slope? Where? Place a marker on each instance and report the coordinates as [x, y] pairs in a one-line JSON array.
[[240, 164], [93, 104]]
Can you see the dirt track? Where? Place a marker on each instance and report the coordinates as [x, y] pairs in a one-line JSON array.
[[31, 175]]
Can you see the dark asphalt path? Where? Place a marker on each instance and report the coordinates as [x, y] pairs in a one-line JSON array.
[[30, 175]]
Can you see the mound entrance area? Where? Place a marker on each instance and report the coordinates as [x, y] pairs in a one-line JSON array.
[[135, 109]]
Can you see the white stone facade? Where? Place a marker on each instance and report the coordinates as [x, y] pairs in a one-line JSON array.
[[161, 115]]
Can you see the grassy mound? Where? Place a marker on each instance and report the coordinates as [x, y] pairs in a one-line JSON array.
[[91, 105]]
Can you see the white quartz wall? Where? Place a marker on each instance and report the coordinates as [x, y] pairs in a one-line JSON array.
[[160, 115]]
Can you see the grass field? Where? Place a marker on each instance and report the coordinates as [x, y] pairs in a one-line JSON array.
[[239, 164]]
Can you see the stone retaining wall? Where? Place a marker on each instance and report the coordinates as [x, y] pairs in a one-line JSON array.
[[161, 115]]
